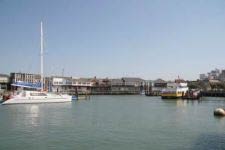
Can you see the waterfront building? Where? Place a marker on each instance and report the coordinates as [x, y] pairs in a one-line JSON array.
[[127, 85], [70, 85], [158, 86], [4, 82], [83, 82], [222, 76], [25, 77], [135, 85], [148, 86], [117, 86], [137, 82], [101, 86], [62, 84], [84, 85], [214, 74]]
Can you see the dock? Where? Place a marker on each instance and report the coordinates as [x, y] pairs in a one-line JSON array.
[[213, 93]]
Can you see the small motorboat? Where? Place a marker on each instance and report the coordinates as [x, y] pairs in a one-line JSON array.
[[192, 95], [219, 112]]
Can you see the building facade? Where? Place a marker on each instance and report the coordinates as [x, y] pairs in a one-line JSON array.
[[62, 85], [215, 74], [101, 87], [127, 85], [73, 86], [70, 85], [222, 76], [158, 86], [84, 85], [25, 77], [4, 82]]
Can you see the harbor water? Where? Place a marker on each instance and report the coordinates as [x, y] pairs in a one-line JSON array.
[[114, 123]]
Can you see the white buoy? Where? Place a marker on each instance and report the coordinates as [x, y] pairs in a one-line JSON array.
[[219, 112]]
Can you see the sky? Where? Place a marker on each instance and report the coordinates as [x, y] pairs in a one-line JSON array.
[[113, 38]]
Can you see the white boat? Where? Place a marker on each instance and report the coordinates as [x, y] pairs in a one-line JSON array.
[[30, 97], [175, 89]]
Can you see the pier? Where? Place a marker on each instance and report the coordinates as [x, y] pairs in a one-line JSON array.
[[213, 93]]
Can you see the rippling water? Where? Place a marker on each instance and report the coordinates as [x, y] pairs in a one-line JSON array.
[[114, 122]]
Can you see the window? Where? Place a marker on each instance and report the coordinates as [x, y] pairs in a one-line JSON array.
[[38, 94]]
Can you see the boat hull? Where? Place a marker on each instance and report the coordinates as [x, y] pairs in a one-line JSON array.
[[171, 95], [36, 101]]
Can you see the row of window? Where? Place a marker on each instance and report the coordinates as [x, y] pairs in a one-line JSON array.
[[57, 82], [38, 94], [33, 81]]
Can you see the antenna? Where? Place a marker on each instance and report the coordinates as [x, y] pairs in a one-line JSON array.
[[42, 59]]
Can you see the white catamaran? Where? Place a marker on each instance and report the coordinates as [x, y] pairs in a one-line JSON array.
[[30, 97]]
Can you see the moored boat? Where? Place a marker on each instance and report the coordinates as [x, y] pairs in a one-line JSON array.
[[31, 97], [174, 90], [192, 95]]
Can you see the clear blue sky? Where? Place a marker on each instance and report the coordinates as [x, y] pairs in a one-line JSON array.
[[114, 38]]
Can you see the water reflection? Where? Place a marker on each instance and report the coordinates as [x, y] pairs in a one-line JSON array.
[[181, 103], [20, 116], [33, 111], [184, 103], [220, 119], [33, 115]]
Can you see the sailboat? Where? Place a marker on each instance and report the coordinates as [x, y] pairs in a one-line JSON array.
[[30, 97]]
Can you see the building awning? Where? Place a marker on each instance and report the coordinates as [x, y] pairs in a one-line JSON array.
[[27, 85]]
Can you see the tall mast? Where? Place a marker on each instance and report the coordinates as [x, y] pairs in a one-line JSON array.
[[42, 59]]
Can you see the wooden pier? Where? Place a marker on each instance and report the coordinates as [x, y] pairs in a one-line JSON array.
[[213, 93]]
